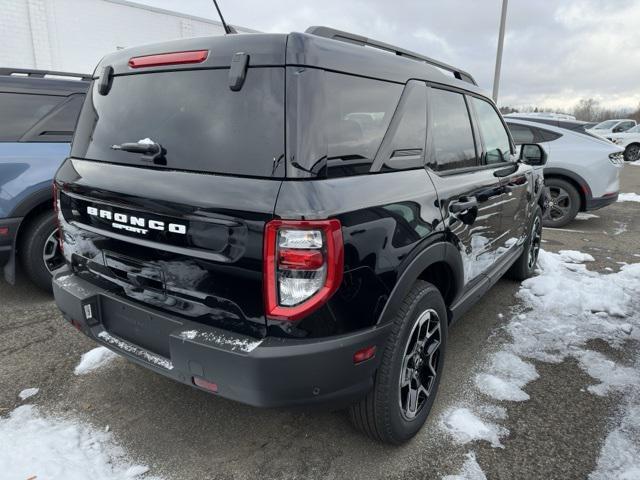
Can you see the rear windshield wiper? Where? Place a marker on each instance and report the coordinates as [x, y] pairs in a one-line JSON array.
[[145, 147]]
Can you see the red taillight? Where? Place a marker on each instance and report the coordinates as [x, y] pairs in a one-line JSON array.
[[4, 231], [56, 211], [303, 265], [364, 354], [173, 58], [206, 384], [300, 259]]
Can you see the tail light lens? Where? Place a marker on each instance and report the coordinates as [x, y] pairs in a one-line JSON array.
[[303, 266], [56, 211]]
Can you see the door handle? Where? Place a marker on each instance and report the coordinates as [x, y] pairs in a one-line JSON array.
[[463, 205]]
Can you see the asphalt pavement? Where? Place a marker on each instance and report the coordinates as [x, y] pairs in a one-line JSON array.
[[183, 433]]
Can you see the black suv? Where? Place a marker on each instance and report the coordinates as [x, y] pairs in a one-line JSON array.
[[291, 219]]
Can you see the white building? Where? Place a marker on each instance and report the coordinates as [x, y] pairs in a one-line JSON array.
[[73, 35]]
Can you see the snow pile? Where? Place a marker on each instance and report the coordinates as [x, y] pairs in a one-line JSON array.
[[585, 216], [506, 376], [568, 306], [465, 426], [36, 446], [470, 470], [28, 393], [629, 197], [94, 359]]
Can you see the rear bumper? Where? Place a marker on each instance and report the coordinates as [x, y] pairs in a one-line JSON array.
[[594, 203], [266, 373]]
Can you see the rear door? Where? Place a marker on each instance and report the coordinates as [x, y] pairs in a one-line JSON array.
[[181, 228], [470, 195]]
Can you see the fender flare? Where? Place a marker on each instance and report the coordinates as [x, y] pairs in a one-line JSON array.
[[435, 253], [584, 186], [34, 199]]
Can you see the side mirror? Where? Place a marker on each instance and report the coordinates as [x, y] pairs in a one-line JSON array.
[[533, 154]]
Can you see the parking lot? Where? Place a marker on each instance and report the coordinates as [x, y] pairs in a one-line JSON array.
[[179, 432]]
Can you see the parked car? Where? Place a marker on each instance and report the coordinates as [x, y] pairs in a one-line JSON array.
[[581, 174], [612, 126], [293, 230], [566, 123], [630, 141], [38, 113]]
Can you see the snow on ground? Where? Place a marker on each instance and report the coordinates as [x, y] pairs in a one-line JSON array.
[[470, 470], [28, 393], [38, 446], [629, 197], [585, 216], [636, 162], [466, 426], [565, 307], [94, 359]]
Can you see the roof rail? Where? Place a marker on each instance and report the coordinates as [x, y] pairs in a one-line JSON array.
[[30, 72], [334, 34]]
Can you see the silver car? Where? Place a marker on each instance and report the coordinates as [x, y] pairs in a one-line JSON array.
[[582, 171]]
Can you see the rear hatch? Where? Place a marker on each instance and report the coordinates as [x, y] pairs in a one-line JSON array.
[[177, 220]]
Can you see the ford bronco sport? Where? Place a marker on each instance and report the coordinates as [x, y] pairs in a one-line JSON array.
[[291, 219]]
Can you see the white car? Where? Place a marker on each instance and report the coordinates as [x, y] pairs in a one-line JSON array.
[[612, 126], [630, 141], [582, 171]]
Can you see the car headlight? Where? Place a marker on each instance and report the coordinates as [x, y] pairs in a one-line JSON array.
[[617, 158]]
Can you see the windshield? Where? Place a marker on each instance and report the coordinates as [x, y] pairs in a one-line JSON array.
[[200, 123], [605, 125]]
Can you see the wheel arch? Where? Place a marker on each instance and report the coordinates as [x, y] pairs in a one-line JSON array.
[[439, 264]]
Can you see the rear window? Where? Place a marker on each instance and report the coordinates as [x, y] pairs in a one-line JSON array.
[[19, 112], [193, 114]]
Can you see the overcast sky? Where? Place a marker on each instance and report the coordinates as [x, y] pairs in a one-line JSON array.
[[556, 51]]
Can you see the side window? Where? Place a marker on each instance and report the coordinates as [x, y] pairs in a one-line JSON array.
[[521, 133], [59, 124], [451, 133], [546, 135], [406, 148], [358, 114], [19, 112], [494, 135], [624, 126]]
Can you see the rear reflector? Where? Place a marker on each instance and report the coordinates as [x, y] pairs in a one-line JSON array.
[[4, 231], [174, 58], [364, 354], [206, 384]]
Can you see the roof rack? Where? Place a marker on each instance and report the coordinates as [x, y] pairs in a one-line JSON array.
[[29, 72], [334, 34]]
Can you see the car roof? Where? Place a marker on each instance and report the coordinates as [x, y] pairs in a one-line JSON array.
[[294, 49], [42, 82]]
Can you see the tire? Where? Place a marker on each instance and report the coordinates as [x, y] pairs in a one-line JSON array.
[[380, 414], [37, 236], [564, 203], [525, 266], [632, 152]]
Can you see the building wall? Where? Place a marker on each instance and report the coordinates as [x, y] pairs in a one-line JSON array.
[[73, 35]]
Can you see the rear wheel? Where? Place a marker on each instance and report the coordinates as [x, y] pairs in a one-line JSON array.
[[564, 203], [632, 152], [407, 380], [39, 250]]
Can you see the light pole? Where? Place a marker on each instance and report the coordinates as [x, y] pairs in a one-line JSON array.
[[496, 76]]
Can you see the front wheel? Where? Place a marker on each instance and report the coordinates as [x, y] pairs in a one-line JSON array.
[[632, 152], [412, 361], [525, 266]]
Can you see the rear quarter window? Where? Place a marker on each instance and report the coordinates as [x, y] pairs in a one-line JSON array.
[[19, 112]]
